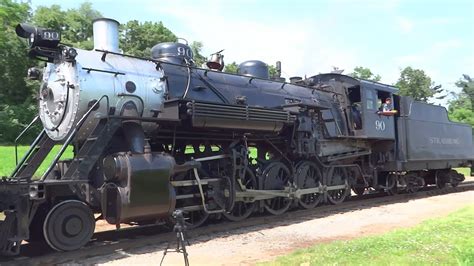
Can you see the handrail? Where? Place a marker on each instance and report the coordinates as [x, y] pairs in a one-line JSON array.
[[72, 134], [21, 135], [28, 153]]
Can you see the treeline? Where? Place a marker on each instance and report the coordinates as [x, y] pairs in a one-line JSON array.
[[18, 95]]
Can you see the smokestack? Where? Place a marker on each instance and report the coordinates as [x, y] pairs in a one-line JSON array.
[[106, 34]]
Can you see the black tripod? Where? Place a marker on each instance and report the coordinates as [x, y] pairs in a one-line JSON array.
[[180, 229]]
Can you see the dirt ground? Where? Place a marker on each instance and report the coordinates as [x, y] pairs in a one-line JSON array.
[[248, 246]]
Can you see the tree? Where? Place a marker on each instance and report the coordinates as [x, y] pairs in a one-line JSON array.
[[415, 83], [74, 24], [231, 68], [17, 103], [466, 96], [13, 59], [138, 38], [199, 59], [461, 108], [272, 71], [364, 73]]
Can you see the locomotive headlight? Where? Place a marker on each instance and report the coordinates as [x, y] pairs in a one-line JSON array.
[[33, 191], [38, 36], [31, 40]]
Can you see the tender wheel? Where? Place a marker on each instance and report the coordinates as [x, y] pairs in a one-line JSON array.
[[241, 209], [391, 185], [193, 218], [413, 183], [456, 178], [308, 175], [338, 177], [69, 225], [441, 179], [276, 176], [359, 191]]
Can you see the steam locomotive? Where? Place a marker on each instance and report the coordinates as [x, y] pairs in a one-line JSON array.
[[158, 134]]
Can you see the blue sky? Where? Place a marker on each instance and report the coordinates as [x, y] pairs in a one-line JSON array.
[[310, 37]]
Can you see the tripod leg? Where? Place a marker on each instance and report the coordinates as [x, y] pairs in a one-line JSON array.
[[178, 244], [164, 253], [185, 252], [185, 236]]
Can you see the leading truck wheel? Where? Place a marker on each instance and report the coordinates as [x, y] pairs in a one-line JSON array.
[[69, 225]]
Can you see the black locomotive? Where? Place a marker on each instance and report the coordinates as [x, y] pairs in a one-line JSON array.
[[154, 135]]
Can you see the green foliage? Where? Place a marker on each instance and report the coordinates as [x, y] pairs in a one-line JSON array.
[[272, 71], [444, 241], [13, 59], [463, 115], [14, 118], [199, 59], [231, 68], [138, 38], [74, 24], [461, 108], [465, 99], [415, 83], [365, 73], [17, 105], [7, 160]]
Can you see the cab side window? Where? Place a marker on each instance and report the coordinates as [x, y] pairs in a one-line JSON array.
[[382, 97], [371, 100]]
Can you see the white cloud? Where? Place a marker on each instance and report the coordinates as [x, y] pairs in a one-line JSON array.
[[430, 55], [405, 25], [302, 46]]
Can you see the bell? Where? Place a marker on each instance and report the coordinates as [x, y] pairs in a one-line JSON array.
[[216, 62]]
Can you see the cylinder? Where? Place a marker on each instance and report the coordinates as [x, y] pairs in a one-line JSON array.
[[106, 34], [137, 187]]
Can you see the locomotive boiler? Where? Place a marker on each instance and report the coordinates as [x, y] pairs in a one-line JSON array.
[[152, 135]]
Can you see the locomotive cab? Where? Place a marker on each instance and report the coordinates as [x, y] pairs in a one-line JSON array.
[[363, 105], [366, 101], [375, 123]]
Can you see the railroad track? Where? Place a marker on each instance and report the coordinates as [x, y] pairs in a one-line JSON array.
[[128, 239]]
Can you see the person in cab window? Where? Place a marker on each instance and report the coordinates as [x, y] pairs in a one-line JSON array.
[[387, 106]]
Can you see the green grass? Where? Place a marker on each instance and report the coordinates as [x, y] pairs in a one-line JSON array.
[[445, 241], [7, 158], [464, 171]]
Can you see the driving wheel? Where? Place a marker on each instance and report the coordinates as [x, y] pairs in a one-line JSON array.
[[276, 176], [241, 209], [338, 177], [308, 175]]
